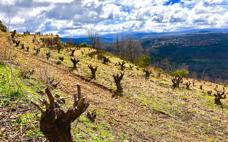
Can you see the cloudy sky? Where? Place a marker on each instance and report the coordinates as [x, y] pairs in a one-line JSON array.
[[75, 17]]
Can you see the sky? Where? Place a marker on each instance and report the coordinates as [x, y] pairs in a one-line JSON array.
[[70, 18]]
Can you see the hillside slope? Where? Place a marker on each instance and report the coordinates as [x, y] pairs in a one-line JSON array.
[[150, 110]]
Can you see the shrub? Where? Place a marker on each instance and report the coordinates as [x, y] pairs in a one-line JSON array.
[[58, 62], [7, 99], [83, 45], [177, 77], [144, 61]]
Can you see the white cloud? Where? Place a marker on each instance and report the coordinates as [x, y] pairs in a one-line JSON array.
[[74, 17], [7, 2], [54, 1]]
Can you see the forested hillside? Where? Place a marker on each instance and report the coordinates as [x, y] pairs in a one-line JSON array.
[[205, 55]]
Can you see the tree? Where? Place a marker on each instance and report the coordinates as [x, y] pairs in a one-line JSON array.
[[55, 123], [3, 28], [117, 45], [130, 49], [94, 39], [83, 45], [177, 77]]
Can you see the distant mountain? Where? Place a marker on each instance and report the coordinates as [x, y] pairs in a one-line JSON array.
[[109, 38]]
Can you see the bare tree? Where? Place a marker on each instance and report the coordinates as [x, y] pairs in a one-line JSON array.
[[94, 39], [117, 45], [130, 49]]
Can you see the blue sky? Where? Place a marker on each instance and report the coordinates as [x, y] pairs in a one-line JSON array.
[[76, 17]]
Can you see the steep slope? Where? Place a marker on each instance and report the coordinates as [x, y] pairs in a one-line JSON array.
[[150, 110]]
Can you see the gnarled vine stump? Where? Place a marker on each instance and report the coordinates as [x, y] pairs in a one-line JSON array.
[[119, 88], [218, 96], [93, 71], [122, 65], [56, 123], [188, 84], [147, 73], [75, 62]]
